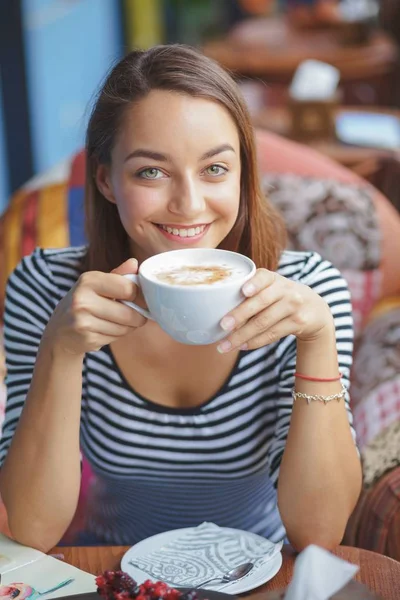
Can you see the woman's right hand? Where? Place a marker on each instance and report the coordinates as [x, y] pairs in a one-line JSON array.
[[89, 317]]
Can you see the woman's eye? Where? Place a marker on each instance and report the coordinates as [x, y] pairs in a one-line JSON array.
[[216, 170], [150, 173]]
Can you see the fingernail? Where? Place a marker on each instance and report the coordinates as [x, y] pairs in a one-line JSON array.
[[243, 347], [224, 347], [249, 289], [227, 323]]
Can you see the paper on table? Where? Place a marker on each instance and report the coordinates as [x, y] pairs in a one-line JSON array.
[[13, 555], [318, 575], [205, 552], [34, 574]]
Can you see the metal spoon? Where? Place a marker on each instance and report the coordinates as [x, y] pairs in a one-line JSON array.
[[232, 575]]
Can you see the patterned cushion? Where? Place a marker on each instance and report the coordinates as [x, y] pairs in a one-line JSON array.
[[335, 218], [339, 221], [383, 453], [375, 387]]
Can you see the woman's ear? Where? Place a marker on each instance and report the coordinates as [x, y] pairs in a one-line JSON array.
[[103, 183]]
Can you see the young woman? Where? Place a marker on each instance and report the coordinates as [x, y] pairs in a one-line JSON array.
[[176, 434]]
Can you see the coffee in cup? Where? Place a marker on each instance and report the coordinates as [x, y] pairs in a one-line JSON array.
[[201, 274]]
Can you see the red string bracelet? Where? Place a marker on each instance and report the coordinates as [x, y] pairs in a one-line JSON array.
[[322, 379]]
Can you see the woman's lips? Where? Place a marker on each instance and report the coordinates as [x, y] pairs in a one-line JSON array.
[[182, 239]]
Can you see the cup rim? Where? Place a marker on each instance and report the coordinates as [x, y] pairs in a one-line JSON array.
[[201, 286]]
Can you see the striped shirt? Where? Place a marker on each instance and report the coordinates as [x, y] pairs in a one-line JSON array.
[[158, 468]]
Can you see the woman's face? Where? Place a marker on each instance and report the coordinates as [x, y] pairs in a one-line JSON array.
[[174, 174]]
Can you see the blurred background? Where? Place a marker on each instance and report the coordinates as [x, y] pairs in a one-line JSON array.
[[55, 53], [321, 79]]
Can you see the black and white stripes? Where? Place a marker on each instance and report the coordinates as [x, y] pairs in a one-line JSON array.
[[160, 468]]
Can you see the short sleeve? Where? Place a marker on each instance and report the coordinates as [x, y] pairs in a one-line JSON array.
[[326, 280], [31, 297]]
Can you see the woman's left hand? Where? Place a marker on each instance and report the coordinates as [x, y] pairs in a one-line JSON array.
[[275, 307]]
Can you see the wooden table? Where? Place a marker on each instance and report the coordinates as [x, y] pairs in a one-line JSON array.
[[278, 120], [271, 49], [379, 573]]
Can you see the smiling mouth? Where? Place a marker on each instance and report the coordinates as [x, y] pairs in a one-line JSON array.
[[183, 232]]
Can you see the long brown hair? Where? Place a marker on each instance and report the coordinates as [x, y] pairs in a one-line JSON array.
[[258, 232]]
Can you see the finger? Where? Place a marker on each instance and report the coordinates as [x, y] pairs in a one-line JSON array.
[[115, 312], [131, 266], [263, 322], [262, 279], [89, 325], [109, 285], [278, 331], [127, 267], [251, 307]]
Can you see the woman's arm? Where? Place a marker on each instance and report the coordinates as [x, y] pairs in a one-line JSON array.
[[40, 479], [320, 474], [313, 449]]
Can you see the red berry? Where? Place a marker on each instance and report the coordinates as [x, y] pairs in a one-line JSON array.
[[116, 585], [122, 596], [172, 594], [147, 585], [160, 590]]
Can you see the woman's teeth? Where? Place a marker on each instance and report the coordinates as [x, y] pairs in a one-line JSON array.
[[184, 232]]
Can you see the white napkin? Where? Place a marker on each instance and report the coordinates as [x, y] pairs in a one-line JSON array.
[[205, 552], [355, 10], [318, 575], [314, 80]]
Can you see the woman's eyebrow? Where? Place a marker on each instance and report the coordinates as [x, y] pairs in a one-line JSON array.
[[143, 153], [217, 150]]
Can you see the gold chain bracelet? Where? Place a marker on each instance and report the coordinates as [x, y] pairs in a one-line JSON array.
[[324, 399]]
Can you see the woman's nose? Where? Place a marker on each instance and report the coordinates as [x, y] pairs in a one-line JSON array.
[[187, 199]]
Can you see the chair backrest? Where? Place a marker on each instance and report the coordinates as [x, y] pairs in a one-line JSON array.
[[48, 212]]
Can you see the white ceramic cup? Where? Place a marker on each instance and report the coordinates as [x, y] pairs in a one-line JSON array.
[[191, 314]]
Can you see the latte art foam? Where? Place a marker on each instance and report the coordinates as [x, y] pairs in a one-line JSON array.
[[203, 274]]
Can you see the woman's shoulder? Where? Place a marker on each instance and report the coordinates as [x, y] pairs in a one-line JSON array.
[[56, 269], [62, 258], [305, 267]]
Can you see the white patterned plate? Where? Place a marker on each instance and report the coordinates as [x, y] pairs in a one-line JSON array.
[[249, 582]]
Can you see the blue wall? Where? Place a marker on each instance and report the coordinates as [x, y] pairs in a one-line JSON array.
[[70, 45], [3, 164]]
